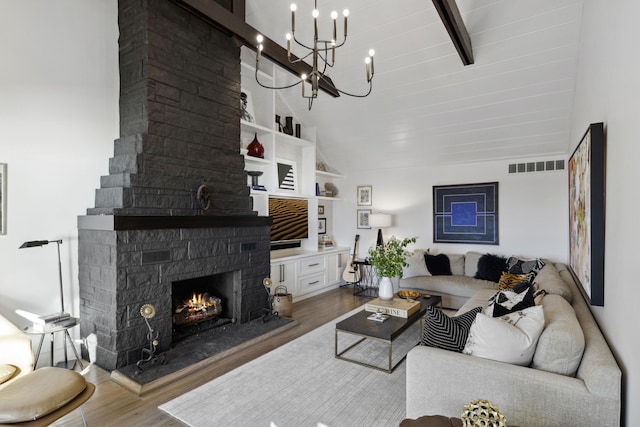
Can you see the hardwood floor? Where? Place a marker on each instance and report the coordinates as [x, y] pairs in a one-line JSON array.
[[112, 405]]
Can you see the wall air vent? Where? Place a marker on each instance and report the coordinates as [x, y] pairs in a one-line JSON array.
[[548, 165]]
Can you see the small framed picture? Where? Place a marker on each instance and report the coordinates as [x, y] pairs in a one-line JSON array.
[[363, 218], [320, 210], [246, 106], [322, 225], [364, 195]]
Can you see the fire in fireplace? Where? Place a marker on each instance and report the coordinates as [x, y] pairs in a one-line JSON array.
[[200, 307], [202, 303]]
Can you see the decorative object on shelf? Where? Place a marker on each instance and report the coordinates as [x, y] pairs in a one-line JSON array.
[[321, 166], [466, 213], [322, 225], [330, 189], [482, 413], [364, 195], [322, 53], [278, 124], [148, 311], [254, 180], [298, 130], [325, 242], [203, 195], [255, 149], [363, 218], [317, 189], [287, 175], [587, 167], [388, 261], [380, 221], [3, 198], [38, 243], [288, 125], [246, 106]]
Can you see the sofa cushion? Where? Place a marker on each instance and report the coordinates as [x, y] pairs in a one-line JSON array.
[[19, 402], [456, 261], [511, 338], [448, 333], [562, 342], [509, 280], [438, 265], [549, 280], [509, 301], [491, 267], [471, 263], [416, 265], [524, 266], [6, 372], [462, 286]]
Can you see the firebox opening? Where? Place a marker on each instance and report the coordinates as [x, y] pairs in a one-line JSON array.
[[202, 303]]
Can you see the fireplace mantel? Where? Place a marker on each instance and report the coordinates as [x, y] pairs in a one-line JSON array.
[[128, 222]]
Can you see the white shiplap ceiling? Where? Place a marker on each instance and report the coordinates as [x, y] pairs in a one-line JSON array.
[[515, 102]]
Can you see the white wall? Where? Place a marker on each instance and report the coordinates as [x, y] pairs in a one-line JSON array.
[[533, 207], [58, 120], [608, 90]]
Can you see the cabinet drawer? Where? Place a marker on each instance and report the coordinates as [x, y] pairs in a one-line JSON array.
[[311, 282], [311, 265]]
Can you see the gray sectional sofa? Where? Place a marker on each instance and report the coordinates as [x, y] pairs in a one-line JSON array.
[[573, 379]]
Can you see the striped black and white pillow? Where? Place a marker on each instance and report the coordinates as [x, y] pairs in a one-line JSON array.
[[448, 333]]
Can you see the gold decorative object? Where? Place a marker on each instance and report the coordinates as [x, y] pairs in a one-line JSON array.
[[482, 413], [147, 311]]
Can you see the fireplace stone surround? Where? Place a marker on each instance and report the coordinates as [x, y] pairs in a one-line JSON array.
[[179, 129]]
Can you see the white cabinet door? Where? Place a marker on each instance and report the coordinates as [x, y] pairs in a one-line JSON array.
[[284, 274]]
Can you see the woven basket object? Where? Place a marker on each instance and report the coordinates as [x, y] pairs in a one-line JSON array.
[[482, 413]]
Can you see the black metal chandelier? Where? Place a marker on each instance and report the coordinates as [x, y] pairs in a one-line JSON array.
[[322, 54]]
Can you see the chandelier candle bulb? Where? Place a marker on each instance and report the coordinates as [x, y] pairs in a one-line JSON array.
[[293, 17], [288, 37], [371, 53], [345, 13]]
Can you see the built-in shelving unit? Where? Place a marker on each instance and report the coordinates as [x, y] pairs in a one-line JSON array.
[[280, 150]]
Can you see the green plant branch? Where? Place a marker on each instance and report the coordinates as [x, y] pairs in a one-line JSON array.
[[389, 259]]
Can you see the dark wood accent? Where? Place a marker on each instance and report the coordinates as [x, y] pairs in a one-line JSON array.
[[125, 222], [218, 16], [452, 20], [240, 8]]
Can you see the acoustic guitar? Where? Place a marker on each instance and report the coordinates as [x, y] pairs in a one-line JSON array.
[[351, 273]]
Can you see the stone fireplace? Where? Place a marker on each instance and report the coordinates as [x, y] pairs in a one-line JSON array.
[[147, 235]]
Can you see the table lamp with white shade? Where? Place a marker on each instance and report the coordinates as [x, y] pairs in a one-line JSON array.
[[380, 221]]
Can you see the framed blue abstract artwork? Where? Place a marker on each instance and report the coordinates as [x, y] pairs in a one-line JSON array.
[[466, 213]]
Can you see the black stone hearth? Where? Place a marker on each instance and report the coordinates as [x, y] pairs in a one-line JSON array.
[[206, 345]]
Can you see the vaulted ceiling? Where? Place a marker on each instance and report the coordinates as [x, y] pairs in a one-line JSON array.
[[514, 102]]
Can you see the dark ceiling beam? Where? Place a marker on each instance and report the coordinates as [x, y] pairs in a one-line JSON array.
[[452, 20], [227, 21]]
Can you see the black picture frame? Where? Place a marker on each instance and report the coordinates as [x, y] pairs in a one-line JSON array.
[[322, 225], [466, 213], [587, 195]]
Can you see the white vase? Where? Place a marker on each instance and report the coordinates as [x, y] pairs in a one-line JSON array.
[[385, 290]]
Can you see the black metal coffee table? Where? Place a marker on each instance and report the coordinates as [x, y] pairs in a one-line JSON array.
[[385, 332]]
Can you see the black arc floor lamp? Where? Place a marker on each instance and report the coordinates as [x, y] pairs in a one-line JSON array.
[[36, 243]]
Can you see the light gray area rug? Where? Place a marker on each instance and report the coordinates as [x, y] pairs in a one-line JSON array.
[[302, 384]]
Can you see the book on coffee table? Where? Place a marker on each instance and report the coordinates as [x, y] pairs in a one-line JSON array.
[[397, 307]]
